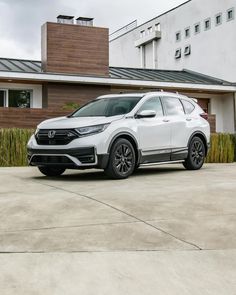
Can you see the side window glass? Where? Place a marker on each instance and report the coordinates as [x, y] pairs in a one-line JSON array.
[[173, 106], [153, 104], [188, 106]]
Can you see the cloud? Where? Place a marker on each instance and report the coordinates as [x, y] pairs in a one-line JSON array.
[[21, 20]]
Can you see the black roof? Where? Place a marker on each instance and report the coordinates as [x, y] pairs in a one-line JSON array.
[[184, 76]]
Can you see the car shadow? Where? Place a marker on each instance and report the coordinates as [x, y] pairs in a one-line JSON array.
[[99, 175]]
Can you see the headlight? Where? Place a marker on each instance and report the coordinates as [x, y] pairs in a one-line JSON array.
[[36, 131], [84, 131]]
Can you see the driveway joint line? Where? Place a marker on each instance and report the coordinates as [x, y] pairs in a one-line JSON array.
[[126, 213], [69, 226]]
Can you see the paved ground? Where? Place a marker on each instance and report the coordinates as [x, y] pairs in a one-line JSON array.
[[163, 231]]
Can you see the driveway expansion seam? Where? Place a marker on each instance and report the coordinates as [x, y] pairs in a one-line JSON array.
[[126, 213], [67, 226]]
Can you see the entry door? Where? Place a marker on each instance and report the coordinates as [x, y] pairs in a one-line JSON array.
[[154, 133], [2, 98]]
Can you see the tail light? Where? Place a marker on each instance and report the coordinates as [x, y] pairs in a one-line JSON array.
[[204, 116]]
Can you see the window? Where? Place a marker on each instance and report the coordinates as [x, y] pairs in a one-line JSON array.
[[149, 30], [142, 33], [178, 36], [187, 32], [19, 98], [197, 28], [188, 106], [107, 107], [2, 98], [178, 53], [187, 50], [218, 19], [158, 27], [207, 24], [173, 106], [153, 104], [230, 14]]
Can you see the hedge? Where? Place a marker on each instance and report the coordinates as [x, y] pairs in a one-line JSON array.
[[13, 147]]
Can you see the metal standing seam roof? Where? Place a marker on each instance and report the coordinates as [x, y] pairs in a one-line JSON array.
[[184, 76]]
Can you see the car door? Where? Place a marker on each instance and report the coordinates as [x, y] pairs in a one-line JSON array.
[[178, 123], [154, 133]]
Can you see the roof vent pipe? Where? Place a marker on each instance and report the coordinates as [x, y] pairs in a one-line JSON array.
[[65, 19], [84, 21]]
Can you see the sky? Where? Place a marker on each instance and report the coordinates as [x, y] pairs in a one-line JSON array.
[[21, 20]]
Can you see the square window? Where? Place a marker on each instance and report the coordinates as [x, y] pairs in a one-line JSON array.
[[2, 98], [197, 28], [178, 36], [230, 14], [19, 98], [178, 53], [142, 33], [218, 19], [187, 32], [149, 30], [187, 50], [158, 27], [207, 24]]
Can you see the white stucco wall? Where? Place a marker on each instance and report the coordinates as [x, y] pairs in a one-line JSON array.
[[212, 51], [36, 100]]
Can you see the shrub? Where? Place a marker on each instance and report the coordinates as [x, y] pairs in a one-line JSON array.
[[222, 149], [13, 146]]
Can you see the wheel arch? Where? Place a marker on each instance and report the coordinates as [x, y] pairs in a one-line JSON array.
[[131, 139], [202, 136]]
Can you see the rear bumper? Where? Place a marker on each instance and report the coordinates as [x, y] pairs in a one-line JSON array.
[[74, 158]]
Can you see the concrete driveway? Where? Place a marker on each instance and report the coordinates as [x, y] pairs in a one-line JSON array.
[[164, 230]]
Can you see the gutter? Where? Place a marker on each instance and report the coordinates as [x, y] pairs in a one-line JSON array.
[[60, 78]]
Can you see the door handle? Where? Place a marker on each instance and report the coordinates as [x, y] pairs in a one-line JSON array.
[[188, 119], [166, 120]]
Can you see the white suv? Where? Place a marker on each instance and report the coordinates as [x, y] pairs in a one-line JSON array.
[[119, 133]]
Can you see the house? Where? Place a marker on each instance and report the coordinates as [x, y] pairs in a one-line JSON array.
[[198, 35], [75, 69]]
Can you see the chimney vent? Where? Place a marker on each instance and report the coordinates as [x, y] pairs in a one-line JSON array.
[[84, 21], [65, 19]]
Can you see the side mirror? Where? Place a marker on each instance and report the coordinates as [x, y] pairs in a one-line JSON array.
[[146, 114]]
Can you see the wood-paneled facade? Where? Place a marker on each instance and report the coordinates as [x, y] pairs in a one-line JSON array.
[[75, 49]]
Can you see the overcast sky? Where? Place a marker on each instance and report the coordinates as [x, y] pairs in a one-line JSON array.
[[21, 20]]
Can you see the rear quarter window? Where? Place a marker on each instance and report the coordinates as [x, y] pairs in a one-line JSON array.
[[188, 106]]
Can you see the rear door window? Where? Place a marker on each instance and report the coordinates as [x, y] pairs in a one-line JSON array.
[[173, 106]]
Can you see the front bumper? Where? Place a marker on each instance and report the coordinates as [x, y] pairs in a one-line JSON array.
[[73, 158]]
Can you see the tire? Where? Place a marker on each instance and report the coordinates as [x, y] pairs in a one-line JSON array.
[[196, 154], [122, 160], [51, 171]]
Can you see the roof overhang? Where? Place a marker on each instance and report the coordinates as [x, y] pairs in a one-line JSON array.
[[60, 78]]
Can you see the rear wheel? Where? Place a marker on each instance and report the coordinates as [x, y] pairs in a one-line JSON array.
[[196, 154], [51, 171], [122, 160]]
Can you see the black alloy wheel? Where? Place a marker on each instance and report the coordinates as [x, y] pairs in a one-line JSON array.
[[196, 154], [122, 160]]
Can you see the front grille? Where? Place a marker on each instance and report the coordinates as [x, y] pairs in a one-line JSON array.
[[41, 159], [58, 136]]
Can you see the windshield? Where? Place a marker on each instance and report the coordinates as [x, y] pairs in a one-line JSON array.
[[108, 107]]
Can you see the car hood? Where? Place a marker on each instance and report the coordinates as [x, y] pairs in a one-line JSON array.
[[73, 122]]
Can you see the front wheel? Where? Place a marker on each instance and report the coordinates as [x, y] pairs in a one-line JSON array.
[[122, 160], [196, 154], [51, 171]]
